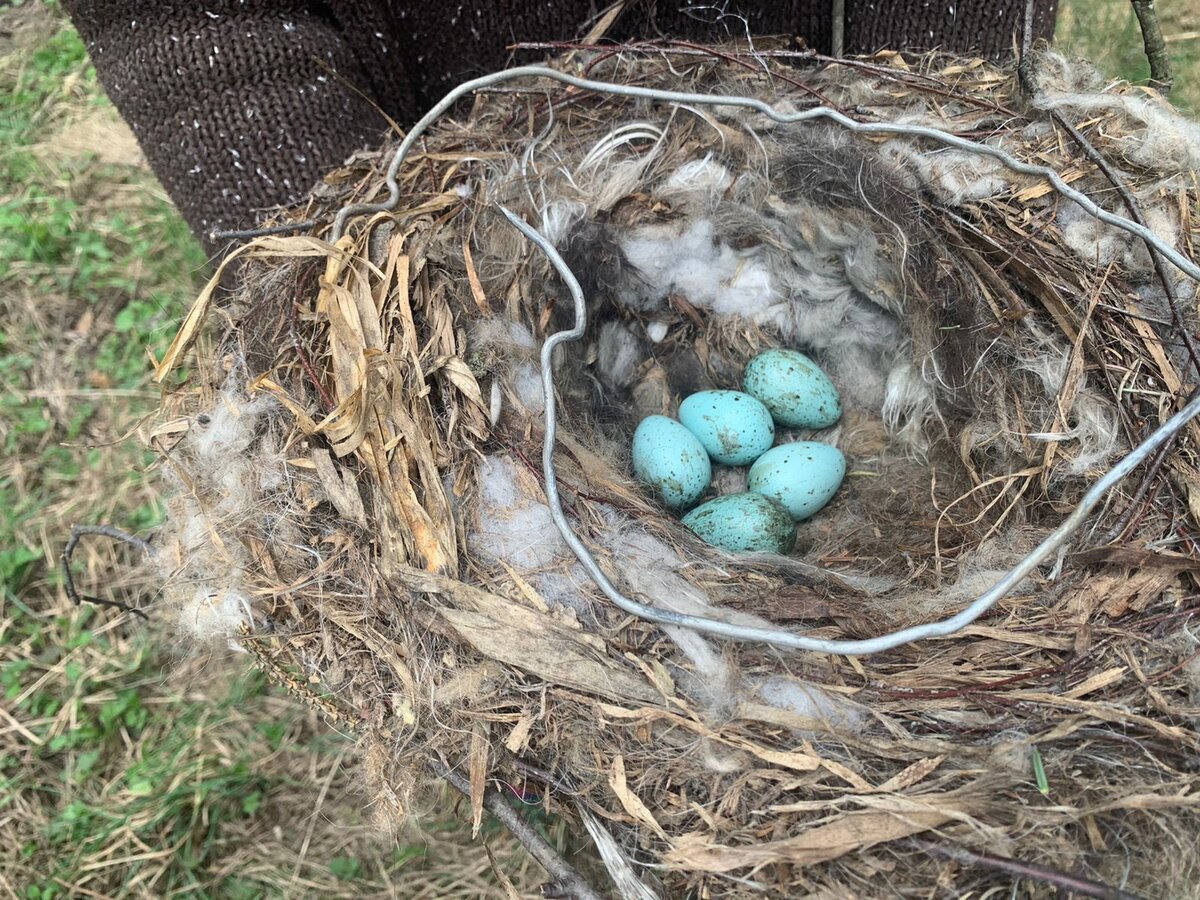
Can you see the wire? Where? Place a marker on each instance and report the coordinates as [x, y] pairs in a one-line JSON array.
[[779, 637], [1177, 259]]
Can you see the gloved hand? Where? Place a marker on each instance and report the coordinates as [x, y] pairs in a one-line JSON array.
[[242, 105]]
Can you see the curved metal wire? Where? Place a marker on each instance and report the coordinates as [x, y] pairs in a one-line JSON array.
[[775, 636], [780, 637], [1177, 259]]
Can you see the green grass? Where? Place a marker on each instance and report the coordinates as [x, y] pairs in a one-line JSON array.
[[95, 269], [1106, 33], [167, 794], [127, 767], [66, 250]]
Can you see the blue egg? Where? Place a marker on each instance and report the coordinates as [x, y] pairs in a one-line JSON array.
[[793, 388], [801, 477], [743, 523], [668, 458], [734, 428]]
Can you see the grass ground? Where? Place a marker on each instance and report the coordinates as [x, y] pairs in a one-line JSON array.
[[1106, 32], [127, 769]]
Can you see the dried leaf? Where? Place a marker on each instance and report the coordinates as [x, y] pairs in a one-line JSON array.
[[1009, 636], [459, 374], [847, 774], [481, 299], [195, 317], [1042, 188], [547, 651], [477, 767], [914, 774], [383, 648], [853, 831], [520, 637], [1098, 682], [1136, 558], [519, 736], [1118, 594], [1104, 712], [629, 800], [1072, 382], [340, 486], [799, 761]]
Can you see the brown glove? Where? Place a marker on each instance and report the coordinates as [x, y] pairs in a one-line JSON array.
[[242, 105]]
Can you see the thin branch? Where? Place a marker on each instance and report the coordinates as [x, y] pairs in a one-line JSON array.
[[246, 234], [1063, 881], [1175, 668], [569, 882], [746, 64], [1135, 213], [108, 531], [674, 48], [838, 32], [1156, 47], [1160, 268], [658, 47], [529, 770], [1025, 62], [302, 283], [1126, 519], [915, 694]]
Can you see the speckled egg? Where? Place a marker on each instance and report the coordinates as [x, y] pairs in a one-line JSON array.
[[743, 523], [734, 428], [801, 477], [669, 458], [793, 388]]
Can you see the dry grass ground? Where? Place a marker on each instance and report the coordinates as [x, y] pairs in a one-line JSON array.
[[126, 768]]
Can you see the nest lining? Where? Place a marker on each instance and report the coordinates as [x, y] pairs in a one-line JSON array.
[[360, 508]]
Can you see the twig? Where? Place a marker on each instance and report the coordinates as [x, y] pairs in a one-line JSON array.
[[837, 38], [529, 770], [570, 883], [294, 331], [1064, 881], [746, 64], [659, 47], [1159, 676], [783, 117], [1025, 63], [108, 531], [1122, 524], [1156, 47], [1166, 617], [914, 694], [675, 48], [246, 234], [1135, 213], [915, 79]]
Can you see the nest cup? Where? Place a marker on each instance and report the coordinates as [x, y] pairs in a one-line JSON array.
[[360, 502]]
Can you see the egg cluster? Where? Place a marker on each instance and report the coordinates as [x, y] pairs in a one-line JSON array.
[[787, 483]]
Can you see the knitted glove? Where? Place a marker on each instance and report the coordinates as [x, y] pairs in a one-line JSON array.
[[242, 105]]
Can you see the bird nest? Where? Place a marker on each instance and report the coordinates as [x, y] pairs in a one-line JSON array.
[[354, 425]]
